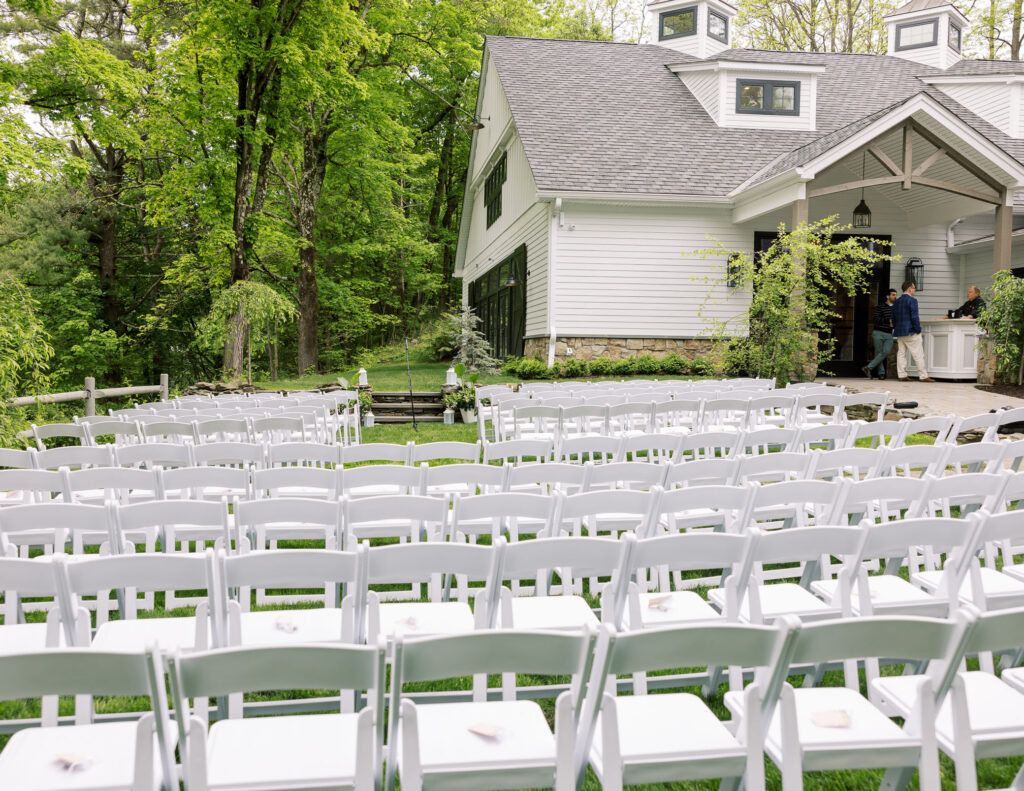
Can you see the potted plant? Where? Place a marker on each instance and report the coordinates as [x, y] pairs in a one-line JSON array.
[[464, 397]]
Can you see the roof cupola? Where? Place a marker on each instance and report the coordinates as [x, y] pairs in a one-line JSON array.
[[700, 28], [929, 32]]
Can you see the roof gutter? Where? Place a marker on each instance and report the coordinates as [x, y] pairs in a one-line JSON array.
[[633, 197]]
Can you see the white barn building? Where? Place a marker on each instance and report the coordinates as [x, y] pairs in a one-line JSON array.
[[601, 167]]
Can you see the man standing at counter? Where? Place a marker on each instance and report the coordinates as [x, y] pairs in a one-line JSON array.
[[972, 307], [906, 328]]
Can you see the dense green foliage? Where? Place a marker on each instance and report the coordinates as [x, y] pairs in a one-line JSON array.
[[788, 295], [527, 368], [163, 164], [1003, 322], [25, 352]]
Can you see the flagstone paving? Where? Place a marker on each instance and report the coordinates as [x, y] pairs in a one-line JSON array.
[[934, 398]]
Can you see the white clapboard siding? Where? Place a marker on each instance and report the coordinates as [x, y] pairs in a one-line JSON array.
[[941, 271], [706, 89], [630, 271], [976, 226], [989, 100], [492, 106]]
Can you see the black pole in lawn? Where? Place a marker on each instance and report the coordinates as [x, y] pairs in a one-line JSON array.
[[408, 373]]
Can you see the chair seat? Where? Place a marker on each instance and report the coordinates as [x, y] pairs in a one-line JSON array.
[[1016, 571], [551, 612], [889, 594], [375, 490], [1014, 676], [425, 618], [137, 634], [995, 709], [288, 627], [784, 598], [446, 743], [311, 751], [994, 583], [29, 761], [677, 607], [26, 637], [667, 729]]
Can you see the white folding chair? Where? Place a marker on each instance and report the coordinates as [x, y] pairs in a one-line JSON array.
[[266, 522], [50, 525], [518, 451], [379, 480], [469, 478], [772, 467], [880, 499], [127, 574], [841, 463], [726, 414], [882, 432], [223, 429], [375, 452], [97, 485], [59, 431], [708, 445], [278, 429], [650, 448], [303, 454], [229, 454], [629, 418], [132, 755], [578, 449], [412, 518], [327, 750], [676, 736], [770, 411], [805, 547], [984, 424], [446, 451], [878, 401], [939, 425], [11, 458], [206, 483], [768, 440], [714, 506], [156, 454], [609, 511], [793, 503], [490, 744], [824, 437], [547, 478], [504, 513], [440, 566], [1004, 419], [584, 420], [311, 483], [702, 472], [979, 456], [536, 421], [123, 432], [340, 575], [20, 579], [23, 486], [677, 416], [821, 728], [966, 492], [169, 432], [911, 461], [809, 408], [634, 475], [75, 457]]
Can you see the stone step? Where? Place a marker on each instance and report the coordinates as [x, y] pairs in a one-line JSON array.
[[420, 395], [406, 418], [419, 408]]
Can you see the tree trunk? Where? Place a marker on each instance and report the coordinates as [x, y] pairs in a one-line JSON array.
[[314, 169], [1015, 41]]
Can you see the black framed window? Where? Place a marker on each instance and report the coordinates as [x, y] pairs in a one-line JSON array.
[[492, 190], [955, 36], [767, 97], [718, 27], [498, 298], [678, 23], [913, 35]]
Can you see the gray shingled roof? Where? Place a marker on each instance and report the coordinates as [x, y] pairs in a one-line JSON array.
[[971, 68], [919, 5], [610, 117]]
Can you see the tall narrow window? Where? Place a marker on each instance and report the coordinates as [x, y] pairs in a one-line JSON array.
[[954, 37], [492, 191], [679, 23], [718, 27]]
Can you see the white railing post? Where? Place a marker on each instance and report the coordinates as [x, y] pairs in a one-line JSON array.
[[164, 381], [90, 396]]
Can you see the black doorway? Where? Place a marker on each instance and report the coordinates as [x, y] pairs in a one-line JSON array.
[[498, 297], [852, 327]]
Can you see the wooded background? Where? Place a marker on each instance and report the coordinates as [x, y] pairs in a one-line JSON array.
[[181, 179]]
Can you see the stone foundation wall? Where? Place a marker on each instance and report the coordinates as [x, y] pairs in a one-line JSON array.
[[618, 348]]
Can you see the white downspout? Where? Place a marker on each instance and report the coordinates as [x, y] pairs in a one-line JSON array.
[[950, 240], [557, 221]]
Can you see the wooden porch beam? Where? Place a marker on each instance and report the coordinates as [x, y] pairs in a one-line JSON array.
[[855, 185], [908, 154], [975, 170], [885, 161], [956, 189], [1003, 238], [920, 169]]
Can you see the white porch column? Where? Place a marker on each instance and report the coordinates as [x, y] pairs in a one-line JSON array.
[[1003, 230]]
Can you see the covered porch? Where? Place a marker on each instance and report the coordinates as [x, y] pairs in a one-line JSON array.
[[922, 173]]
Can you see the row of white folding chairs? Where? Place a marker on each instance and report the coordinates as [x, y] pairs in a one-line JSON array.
[[449, 742], [513, 419], [317, 425]]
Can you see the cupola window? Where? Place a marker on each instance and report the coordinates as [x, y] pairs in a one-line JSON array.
[[954, 37], [679, 23], [718, 27], [912, 35]]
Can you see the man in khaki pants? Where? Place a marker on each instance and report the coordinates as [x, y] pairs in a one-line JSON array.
[[906, 328]]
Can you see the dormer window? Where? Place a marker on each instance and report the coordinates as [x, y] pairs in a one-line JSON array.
[[912, 35], [678, 23], [718, 27], [954, 37], [768, 97]]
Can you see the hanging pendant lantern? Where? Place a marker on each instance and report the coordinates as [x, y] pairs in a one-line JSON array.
[[862, 214]]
